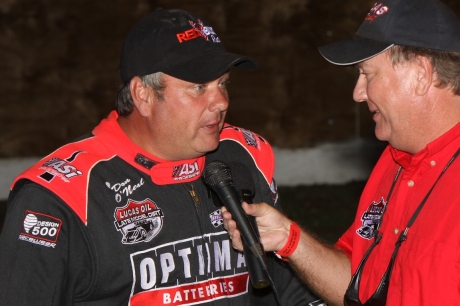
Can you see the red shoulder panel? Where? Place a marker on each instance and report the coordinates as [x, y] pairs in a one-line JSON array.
[[66, 172], [259, 148]]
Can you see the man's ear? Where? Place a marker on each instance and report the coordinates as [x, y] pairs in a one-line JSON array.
[[425, 74], [141, 96]]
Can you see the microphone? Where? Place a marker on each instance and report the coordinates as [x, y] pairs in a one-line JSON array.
[[245, 187], [218, 176]]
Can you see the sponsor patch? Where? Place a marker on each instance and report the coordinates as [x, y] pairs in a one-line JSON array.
[[186, 171], [60, 168], [177, 172], [198, 30], [250, 139], [191, 271], [138, 221], [40, 229], [371, 219], [377, 10], [216, 218], [196, 293], [144, 161]]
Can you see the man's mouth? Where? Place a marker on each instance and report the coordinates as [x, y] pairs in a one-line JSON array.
[[375, 113], [212, 126]]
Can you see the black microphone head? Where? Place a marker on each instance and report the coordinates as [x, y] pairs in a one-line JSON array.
[[242, 178], [217, 173]]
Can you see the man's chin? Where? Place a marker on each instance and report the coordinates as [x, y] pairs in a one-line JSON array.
[[380, 134], [209, 147], [212, 149]]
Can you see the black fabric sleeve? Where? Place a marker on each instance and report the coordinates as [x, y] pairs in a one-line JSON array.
[[42, 263]]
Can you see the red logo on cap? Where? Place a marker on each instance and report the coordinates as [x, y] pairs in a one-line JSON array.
[[187, 35], [198, 30], [378, 10]]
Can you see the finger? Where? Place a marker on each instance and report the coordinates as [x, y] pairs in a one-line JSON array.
[[256, 209], [233, 233], [226, 216], [247, 208], [235, 237]]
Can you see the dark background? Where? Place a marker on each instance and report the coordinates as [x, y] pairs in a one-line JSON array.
[[59, 67], [59, 77]]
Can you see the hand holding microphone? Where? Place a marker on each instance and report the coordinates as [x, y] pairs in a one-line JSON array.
[[217, 175]]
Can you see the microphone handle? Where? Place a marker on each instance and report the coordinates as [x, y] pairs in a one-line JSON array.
[[231, 201], [258, 272]]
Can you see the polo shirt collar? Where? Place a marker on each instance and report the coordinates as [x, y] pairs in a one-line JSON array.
[[407, 160]]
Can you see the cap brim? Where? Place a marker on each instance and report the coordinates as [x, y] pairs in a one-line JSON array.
[[352, 50], [209, 66]]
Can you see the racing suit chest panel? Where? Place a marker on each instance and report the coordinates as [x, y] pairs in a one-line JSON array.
[[161, 238]]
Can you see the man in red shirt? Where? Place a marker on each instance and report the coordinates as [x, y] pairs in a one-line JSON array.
[[403, 246]]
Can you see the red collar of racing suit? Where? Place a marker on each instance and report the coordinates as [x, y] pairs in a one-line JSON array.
[[162, 172]]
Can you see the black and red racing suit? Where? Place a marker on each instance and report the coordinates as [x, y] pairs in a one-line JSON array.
[[102, 222]]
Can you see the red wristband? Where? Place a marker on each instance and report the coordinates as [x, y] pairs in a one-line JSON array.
[[292, 243]]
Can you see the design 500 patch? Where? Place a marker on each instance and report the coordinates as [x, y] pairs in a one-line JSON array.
[[40, 229]]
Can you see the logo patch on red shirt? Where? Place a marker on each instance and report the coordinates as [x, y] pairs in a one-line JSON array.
[[371, 219]]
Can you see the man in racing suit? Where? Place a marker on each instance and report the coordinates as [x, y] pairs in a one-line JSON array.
[[121, 216]]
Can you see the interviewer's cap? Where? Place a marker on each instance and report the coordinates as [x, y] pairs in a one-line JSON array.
[[179, 44], [419, 23]]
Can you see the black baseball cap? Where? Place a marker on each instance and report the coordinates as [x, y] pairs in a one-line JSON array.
[[179, 44], [427, 24]]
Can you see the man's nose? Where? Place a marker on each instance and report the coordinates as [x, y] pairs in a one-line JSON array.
[[360, 91], [219, 100]]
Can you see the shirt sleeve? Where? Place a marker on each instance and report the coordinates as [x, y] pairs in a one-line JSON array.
[[45, 258], [345, 242]]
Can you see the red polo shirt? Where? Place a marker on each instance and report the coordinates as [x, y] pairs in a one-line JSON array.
[[427, 268]]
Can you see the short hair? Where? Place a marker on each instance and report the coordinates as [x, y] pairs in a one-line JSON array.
[[445, 63], [125, 104]]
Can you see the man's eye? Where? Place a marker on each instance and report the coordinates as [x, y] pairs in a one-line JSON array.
[[199, 87], [224, 83]]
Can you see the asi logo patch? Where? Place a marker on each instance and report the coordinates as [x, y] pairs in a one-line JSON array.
[[138, 221], [40, 229], [61, 168], [186, 171]]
